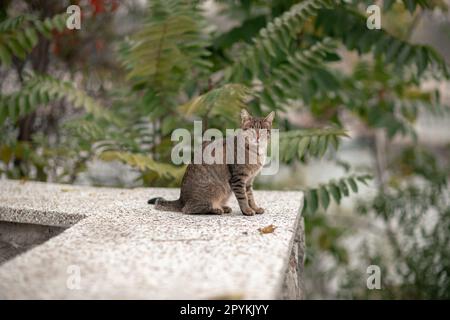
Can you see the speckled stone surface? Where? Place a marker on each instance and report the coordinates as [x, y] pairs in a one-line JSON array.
[[124, 249]]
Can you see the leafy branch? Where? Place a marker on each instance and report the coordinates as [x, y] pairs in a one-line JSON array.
[[40, 90], [333, 190], [225, 101], [349, 25], [144, 163], [274, 39], [285, 80], [313, 142], [171, 42], [19, 35]]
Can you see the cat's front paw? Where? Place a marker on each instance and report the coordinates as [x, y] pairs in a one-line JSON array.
[[259, 210], [248, 211], [217, 211], [226, 209]]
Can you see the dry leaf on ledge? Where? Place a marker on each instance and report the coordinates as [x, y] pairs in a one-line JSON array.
[[269, 229]]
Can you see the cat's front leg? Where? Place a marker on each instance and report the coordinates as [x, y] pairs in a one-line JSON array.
[[251, 198], [238, 187]]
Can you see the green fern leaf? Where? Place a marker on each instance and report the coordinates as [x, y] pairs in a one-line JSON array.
[[225, 101], [267, 45], [19, 35], [286, 80], [39, 90], [335, 190], [164, 51], [349, 25], [144, 163], [313, 142], [324, 197]]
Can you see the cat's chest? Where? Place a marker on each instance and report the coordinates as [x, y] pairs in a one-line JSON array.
[[261, 160], [262, 152]]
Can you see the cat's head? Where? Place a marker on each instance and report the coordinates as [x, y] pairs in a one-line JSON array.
[[256, 130]]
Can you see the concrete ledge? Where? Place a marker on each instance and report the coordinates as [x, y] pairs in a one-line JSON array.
[[126, 250]]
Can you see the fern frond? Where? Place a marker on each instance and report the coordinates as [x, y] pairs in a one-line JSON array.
[[333, 190], [286, 80], [349, 25], [276, 37], [87, 130], [11, 23], [144, 163], [19, 35], [164, 51], [225, 101], [39, 90], [296, 144]]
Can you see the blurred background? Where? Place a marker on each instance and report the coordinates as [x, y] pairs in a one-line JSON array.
[[363, 115]]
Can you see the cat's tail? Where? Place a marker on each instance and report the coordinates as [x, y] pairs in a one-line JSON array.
[[166, 205]]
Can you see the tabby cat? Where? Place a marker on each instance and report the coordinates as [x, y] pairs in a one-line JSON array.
[[206, 188]]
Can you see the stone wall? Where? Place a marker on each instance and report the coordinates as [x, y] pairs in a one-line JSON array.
[[118, 247]]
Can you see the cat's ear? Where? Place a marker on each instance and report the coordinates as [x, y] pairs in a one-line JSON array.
[[269, 118], [245, 116]]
